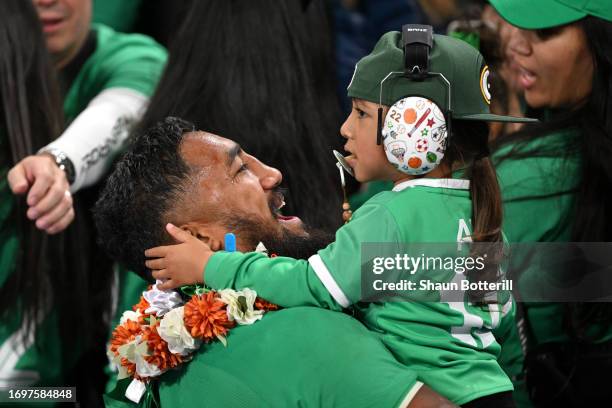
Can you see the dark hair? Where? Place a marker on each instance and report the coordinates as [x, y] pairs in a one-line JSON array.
[[261, 74], [469, 146], [31, 118], [592, 220], [127, 218]]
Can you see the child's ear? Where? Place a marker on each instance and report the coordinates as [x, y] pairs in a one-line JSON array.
[[205, 234]]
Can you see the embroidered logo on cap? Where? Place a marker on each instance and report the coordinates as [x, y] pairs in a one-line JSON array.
[[485, 87]]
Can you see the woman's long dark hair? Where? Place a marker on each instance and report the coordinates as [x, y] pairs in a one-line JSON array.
[[261, 73], [50, 271], [592, 220]]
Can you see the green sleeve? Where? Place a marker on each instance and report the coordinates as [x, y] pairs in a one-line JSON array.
[[284, 281], [330, 279], [132, 61]]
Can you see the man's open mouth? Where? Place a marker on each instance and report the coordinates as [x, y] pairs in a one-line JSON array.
[[276, 203]]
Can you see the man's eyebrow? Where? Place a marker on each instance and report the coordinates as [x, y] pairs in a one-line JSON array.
[[233, 153]]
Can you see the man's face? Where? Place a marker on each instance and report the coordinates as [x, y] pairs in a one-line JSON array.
[[232, 192], [65, 25]]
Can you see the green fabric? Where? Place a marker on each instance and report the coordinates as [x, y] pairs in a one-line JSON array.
[[538, 14], [435, 339], [462, 65], [538, 207], [121, 15], [120, 60], [367, 191], [299, 357], [472, 38]]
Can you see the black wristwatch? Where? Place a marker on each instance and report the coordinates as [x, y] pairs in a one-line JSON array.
[[63, 162]]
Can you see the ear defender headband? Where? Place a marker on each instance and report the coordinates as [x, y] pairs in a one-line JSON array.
[[415, 132]]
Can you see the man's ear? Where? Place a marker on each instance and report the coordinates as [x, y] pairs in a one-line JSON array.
[[205, 233]]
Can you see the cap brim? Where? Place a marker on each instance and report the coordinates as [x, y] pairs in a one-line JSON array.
[[536, 14], [489, 117]]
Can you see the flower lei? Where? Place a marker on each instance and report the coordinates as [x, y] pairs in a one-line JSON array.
[[163, 331]]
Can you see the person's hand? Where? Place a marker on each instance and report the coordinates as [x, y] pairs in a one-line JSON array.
[[181, 264], [49, 200]]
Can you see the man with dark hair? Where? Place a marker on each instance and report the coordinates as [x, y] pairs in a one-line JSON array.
[[208, 186]]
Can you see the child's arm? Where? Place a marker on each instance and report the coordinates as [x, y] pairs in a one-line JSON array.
[[183, 264], [330, 279]]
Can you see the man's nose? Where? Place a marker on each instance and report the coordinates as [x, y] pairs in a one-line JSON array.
[[269, 177]]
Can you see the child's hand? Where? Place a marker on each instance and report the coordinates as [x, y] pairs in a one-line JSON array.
[[181, 264]]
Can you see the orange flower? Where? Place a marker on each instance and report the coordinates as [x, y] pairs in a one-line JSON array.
[[263, 304], [206, 317], [123, 334], [160, 355], [142, 305]]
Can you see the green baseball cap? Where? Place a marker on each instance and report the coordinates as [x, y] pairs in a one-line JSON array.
[[460, 63], [536, 14]]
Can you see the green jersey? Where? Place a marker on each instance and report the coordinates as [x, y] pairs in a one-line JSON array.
[[538, 195], [299, 357], [449, 344], [538, 180], [120, 60]]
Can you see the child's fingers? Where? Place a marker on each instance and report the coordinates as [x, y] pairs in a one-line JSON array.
[[158, 263], [177, 233], [169, 284], [157, 252], [160, 274]]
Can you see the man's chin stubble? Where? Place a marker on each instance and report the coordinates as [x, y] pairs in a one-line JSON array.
[[282, 242]]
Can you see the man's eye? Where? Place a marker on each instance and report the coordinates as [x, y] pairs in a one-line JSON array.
[[242, 168]]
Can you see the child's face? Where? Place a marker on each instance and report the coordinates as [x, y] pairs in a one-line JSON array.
[[367, 159]]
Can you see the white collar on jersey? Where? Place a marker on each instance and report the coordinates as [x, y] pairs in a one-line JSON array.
[[458, 184]]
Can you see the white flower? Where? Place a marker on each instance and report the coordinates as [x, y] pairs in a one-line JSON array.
[[115, 362], [172, 330], [240, 305], [136, 351], [161, 301], [261, 248], [145, 369], [130, 315]]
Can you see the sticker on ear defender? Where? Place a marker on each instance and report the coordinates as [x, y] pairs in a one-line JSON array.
[[414, 137], [485, 87]]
